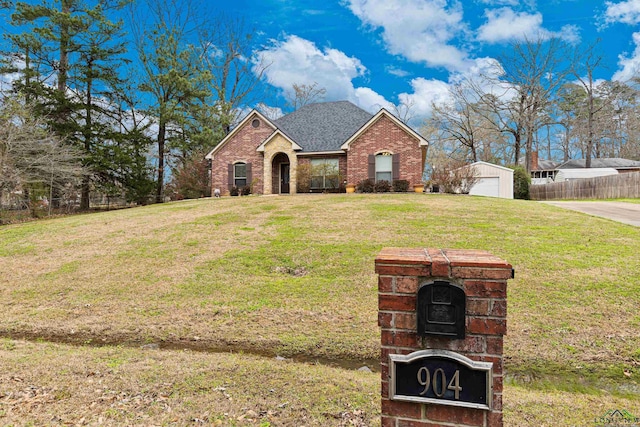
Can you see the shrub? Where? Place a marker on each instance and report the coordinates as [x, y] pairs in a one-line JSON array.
[[245, 191], [365, 186], [303, 175], [400, 185], [521, 182], [453, 176], [382, 186], [234, 191]]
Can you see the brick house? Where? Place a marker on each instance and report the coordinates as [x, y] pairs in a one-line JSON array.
[[337, 142]]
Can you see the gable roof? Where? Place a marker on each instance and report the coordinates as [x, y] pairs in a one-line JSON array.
[[491, 165], [616, 163], [543, 165], [323, 126], [294, 146], [252, 114], [394, 119]]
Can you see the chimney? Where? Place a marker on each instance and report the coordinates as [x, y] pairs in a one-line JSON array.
[[534, 161]]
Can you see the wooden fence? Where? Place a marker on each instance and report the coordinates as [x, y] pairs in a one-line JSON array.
[[624, 185]]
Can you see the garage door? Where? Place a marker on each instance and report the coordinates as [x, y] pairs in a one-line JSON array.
[[486, 187]]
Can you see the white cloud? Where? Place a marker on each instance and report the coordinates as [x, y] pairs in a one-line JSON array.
[[626, 12], [300, 61], [399, 72], [501, 2], [425, 92], [629, 65], [296, 60], [419, 30], [505, 25], [370, 100]]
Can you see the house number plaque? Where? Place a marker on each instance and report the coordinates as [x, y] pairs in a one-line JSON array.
[[440, 377]]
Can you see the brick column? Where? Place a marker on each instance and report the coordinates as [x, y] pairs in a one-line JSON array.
[[483, 277]]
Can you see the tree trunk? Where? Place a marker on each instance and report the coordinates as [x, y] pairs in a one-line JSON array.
[[85, 193], [86, 179], [587, 163], [517, 144], [63, 68], [162, 131], [528, 149]]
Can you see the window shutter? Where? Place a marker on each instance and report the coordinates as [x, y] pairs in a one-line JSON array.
[[230, 176], [372, 167], [249, 174], [395, 167]]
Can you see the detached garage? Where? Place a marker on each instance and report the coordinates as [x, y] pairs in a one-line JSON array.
[[493, 181]]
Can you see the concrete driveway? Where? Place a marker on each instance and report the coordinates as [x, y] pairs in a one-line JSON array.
[[627, 213]]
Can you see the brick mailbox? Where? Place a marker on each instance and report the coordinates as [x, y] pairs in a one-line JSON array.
[[442, 315]]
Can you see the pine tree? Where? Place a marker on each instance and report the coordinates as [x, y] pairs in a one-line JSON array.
[[71, 57]]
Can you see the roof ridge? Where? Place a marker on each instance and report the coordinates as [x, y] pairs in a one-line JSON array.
[[323, 126]]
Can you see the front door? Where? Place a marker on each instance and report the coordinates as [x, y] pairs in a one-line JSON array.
[[284, 178]]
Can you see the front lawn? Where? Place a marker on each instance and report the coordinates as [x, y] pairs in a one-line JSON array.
[[293, 276]]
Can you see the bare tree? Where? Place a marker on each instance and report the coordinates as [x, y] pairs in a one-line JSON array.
[[466, 120], [304, 94], [32, 158], [583, 67], [619, 121], [234, 71], [531, 74], [404, 111]]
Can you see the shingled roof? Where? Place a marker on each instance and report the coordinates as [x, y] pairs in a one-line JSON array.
[[616, 163], [323, 126]]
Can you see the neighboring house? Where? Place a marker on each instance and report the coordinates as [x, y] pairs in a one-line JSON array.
[[546, 171], [571, 174], [542, 171], [493, 181], [341, 143], [620, 165]]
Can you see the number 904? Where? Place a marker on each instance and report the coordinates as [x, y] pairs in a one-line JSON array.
[[437, 382]]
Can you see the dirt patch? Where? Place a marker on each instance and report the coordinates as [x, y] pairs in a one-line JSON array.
[[262, 348], [295, 272]]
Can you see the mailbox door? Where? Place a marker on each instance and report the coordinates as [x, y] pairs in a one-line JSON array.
[[441, 310]]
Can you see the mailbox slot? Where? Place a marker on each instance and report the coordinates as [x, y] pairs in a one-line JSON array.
[[441, 310]]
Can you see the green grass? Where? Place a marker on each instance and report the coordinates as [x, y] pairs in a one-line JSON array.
[[222, 272]]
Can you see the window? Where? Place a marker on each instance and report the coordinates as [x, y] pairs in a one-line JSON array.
[[255, 123], [384, 167], [240, 175], [325, 173]]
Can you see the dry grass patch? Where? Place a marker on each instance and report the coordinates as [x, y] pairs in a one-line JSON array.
[[52, 384], [525, 408]]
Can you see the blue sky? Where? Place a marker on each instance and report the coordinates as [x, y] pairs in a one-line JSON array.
[[378, 53]]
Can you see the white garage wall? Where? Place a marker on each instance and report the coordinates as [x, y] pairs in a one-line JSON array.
[[487, 186], [488, 173]]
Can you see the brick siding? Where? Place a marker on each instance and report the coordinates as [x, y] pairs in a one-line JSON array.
[[385, 135], [483, 277], [242, 147]]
